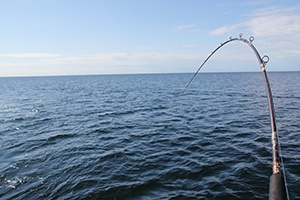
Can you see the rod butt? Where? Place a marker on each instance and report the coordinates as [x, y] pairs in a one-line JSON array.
[[277, 188]]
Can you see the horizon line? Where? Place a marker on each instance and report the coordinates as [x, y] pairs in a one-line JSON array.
[[146, 73]]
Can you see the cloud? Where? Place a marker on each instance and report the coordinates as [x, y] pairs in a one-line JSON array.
[[190, 45], [118, 59], [100, 63], [276, 27], [30, 55], [127, 58], [256, 2], [268, 22], [187, 27], [276, 22], [225, 29]]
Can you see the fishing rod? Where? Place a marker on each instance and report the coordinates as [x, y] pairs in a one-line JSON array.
[[278, 188]]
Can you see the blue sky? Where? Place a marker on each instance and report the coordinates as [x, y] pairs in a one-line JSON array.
[[72, 37]]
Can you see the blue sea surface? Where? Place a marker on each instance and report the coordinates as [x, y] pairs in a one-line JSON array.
[[135, 137]]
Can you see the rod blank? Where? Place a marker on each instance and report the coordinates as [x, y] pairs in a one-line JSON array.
[[277, 181]]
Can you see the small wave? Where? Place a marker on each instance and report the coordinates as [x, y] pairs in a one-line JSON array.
[[220, 129], [119, 138], [84, 184], [22, 118], [59, 137], [129, 190]]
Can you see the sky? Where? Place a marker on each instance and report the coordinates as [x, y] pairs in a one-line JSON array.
[[80, 37]]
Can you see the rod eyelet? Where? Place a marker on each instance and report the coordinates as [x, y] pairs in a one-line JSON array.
[[265, 59]]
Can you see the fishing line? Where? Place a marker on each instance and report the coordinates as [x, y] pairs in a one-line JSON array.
[[203, 65], [278, 187], [283, 170]]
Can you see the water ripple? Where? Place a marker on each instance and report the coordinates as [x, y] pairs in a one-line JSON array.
[[134, 137]]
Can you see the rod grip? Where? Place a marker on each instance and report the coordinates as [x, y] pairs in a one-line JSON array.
[[277, 188]]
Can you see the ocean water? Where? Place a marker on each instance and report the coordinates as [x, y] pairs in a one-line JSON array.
[[135, 137]]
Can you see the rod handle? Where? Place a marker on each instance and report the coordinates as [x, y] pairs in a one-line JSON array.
[[277, 188]]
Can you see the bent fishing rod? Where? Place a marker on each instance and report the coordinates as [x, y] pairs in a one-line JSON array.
[[278, 188]]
